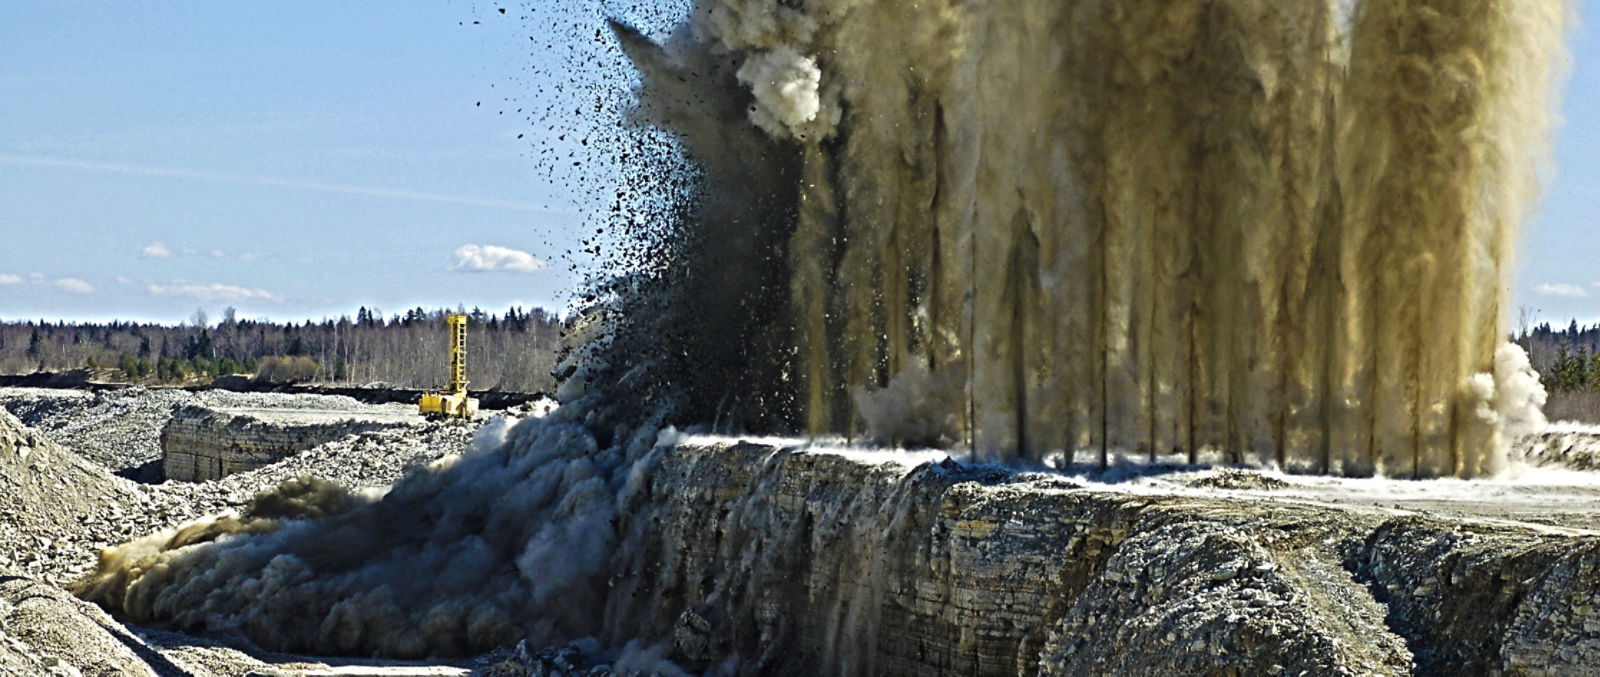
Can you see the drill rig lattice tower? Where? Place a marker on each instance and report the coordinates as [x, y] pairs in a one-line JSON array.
[[454, 400]]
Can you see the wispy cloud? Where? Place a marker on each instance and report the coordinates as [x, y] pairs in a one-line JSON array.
[[159, 250], [66, 284], [1561, 290], [74, 285], [476, 258], [212, 292], [344, 188]]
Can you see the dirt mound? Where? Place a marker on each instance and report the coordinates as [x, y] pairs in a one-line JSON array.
[[52, 501]]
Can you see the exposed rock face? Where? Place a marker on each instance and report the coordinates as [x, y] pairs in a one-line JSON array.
[[1479, 599], [803, 562], [202, 443]]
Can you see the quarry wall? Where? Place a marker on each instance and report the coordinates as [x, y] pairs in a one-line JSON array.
[[800, 562], [202, 443]]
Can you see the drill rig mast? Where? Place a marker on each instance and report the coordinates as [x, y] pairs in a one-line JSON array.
[[453, 401]]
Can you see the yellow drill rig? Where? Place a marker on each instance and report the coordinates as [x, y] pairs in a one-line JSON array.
[[453, 401]]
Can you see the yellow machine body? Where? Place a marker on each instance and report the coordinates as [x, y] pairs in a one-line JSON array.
[[453, 401]]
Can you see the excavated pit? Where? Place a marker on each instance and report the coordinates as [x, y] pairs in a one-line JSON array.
[[776, 556]]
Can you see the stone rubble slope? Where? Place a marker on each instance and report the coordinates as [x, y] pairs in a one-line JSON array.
[[46, 631], [56, 506], [61, 509]]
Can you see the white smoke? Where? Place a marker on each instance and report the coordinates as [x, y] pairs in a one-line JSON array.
[[786, 86], [1518, 395]]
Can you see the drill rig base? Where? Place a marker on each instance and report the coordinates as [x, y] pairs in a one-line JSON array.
[[448, 405], [453, 401]]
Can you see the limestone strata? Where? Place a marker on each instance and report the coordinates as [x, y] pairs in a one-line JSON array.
[[815, 563], [201, 443]]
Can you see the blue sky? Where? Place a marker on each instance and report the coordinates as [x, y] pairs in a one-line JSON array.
[[300, 159], [1558, 272], [291, 159]]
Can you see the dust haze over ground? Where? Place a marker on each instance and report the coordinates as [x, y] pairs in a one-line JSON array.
[[1232, 231]]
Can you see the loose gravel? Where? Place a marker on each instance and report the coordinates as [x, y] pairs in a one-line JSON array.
[[60, 504]]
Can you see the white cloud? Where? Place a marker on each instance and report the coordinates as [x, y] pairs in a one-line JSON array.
[[156, 250], [8, 279], [74, 285], [124, 279], [1561, 290], [477, 258], [212, 292]]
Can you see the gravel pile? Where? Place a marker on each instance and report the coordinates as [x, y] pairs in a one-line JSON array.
[[54, 506], [1233, 478]]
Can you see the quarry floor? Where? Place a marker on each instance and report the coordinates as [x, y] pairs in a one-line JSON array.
[[68, 456]]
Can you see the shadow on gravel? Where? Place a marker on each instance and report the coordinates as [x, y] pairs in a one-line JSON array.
[[158, 663], [153, 471]]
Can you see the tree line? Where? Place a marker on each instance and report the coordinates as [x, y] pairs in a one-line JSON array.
[[1567, 359], [512, 351], [1568, 362]]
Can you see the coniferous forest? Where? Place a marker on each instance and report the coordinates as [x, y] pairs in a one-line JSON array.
[[1568, 362], [511, 351]]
